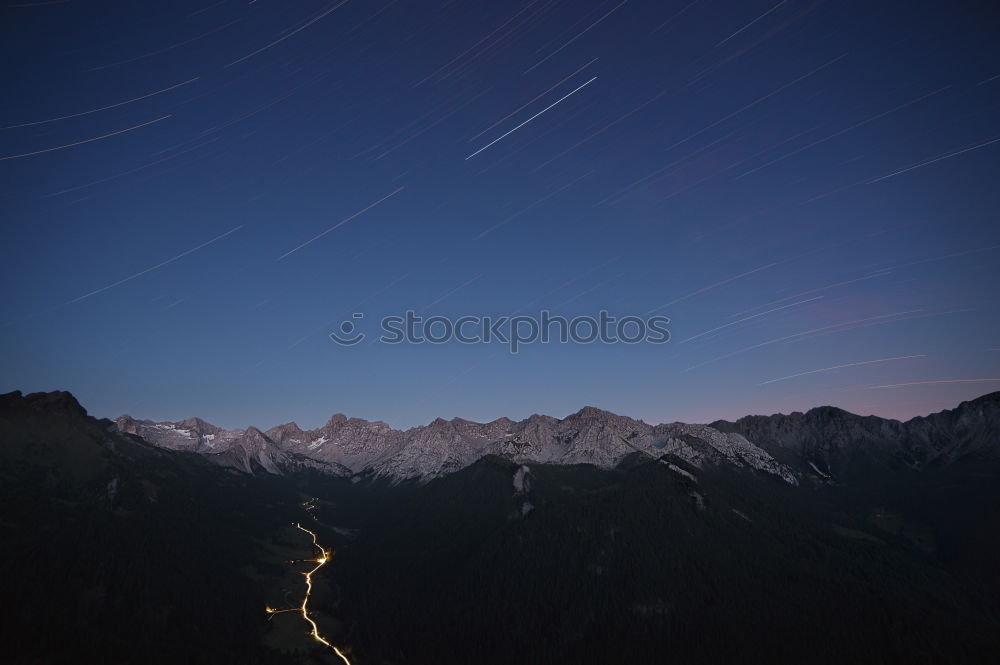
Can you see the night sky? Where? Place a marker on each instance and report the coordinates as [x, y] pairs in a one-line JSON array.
[[808, 189]]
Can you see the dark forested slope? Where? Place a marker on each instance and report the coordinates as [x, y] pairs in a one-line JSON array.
[[116, 551], [641, 564]]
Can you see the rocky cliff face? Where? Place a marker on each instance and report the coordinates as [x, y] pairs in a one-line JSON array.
[[248, 450], [830, 441], [349, 446], [823, 442]]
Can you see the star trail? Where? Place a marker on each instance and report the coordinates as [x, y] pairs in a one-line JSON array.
[[806, 188]]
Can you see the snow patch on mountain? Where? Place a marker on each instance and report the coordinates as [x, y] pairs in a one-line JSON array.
[[522, 483]]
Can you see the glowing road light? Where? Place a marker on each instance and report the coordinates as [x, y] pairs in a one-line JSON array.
[[304, 608]]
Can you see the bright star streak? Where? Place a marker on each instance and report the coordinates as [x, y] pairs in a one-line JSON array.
[[533, 100], [831, 286], [702, 334], [925, 383], [103, 108], [868, 321], [496, 140], [709, 288], [135, 170], [935, 160], [90, 140], [340, 223], [827, 369], [290, 34], [157, 266]]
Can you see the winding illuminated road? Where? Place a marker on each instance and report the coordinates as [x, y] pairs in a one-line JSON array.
[[321, 560]]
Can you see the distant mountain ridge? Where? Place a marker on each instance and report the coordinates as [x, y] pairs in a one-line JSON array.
[[832, 441], [822, 442], [352, 446]]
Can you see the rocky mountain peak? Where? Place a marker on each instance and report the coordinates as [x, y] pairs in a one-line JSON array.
[[254, 433], [336, 420], [594, 413], [57, 403], [285, 432], [199, 425]]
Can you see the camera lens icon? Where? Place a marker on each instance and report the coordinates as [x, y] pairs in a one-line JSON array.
[[347, 336]]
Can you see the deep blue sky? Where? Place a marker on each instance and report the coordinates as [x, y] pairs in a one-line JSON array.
[[793, 146]]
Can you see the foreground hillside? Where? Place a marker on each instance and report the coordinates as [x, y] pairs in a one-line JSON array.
[[117, 552], [644, 563], [134, 553]]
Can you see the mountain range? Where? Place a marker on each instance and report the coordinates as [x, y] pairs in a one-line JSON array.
[[817, 537], [821, 443], [829, 441]]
